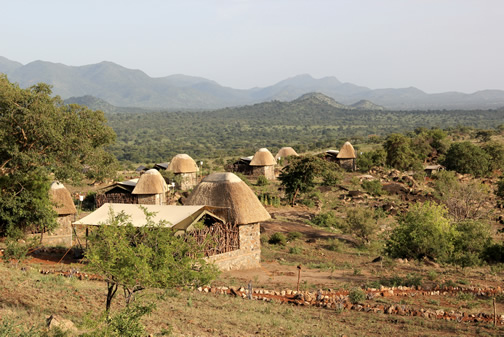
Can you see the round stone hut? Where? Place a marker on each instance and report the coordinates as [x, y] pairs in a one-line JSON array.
[[346, 157], [151, 188], [263, 163], [185, 167], [65, 207], [239, 205]]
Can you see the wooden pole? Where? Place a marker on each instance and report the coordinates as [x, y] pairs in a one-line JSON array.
[[299, 277], [495, 312]]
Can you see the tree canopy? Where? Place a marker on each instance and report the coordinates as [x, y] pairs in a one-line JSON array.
[[43, 139]]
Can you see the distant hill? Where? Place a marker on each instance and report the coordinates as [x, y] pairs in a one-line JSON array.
[[125, 87]]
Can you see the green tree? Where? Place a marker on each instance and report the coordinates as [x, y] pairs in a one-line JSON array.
[[135, 258], [472, 239], [495, 151], [361, 223], [370, 159], [466, 158], [399, 153], [299, 176], [39, 136], [423, 231]]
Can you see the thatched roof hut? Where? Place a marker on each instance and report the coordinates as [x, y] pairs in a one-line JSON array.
[[285, 152], [151, 182], [182, 163], [263, 157], [227, 190], [63, 203], [347, 152]]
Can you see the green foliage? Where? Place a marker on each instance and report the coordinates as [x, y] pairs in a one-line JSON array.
[[423, 231], [368, 160], [464, 200], [399, 153], [299, 175], [471, 241], [126, 323], [325, 219], [411, 280], [277, 239], [291, 236], [149, 256], [16, 249], [373, 187], [500, 188], [89, 202], [262, 181], [334, 245], [466, 157], [356, 295], [360, 222], [495, 151], [295, 250], [38, 136]]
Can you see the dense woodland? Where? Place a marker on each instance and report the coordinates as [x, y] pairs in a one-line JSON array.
[[148, 137]]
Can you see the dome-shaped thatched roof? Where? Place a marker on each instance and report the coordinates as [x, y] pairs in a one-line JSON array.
[[151, 182], [227, 190], [63, 203], [285, 152], [182, 163], [263, 158], [346, 152]]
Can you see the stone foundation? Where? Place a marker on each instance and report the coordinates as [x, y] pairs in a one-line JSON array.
[[249, 254], [267, 171]]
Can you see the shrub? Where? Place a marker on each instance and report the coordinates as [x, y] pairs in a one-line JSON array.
[[325, 219], [262, 181], [373, 187], [471, 240], [466, 157], [330, 177], [334, 245], [423, 231], [361, 223], [356, 295], [291, 236], [368, 160], [277, 239], [295, 250]]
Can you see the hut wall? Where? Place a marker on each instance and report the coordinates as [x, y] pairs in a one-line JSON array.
[[347, 164], [187, 181], [249, 254], [61, 236], [151, 199], [116, 198], [267, 171]]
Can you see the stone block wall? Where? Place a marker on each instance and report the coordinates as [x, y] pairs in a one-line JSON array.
[[61, 236], [151, 199], [188, 181], [267, 171], [249, 254]]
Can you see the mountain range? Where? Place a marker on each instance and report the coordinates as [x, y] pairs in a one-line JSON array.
[[123, 87]]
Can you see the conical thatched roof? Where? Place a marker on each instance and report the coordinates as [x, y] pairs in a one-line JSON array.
[[346, 152], [284, 152], [63, 203], [263, 158], [182, 163], [227, 190], [151, 182]]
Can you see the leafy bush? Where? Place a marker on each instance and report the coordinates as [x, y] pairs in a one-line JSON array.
[[466, 157], [262, 181], [277, 239], [471, 241], [360, 222], [423, 231], [373, 187], [368, 160], [291, 236], [295, 250], [330, 177], [356, 295], [325, 219], [334, 245]]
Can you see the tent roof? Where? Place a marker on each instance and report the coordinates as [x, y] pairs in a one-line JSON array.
[[177, 217]]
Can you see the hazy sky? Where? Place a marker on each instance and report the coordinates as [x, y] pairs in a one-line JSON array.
[[434, 45]]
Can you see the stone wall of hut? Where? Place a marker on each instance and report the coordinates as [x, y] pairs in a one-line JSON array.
[[347, 164], [151, 199], [249, 254], [267, 171], [61, 236], [187, 181]]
